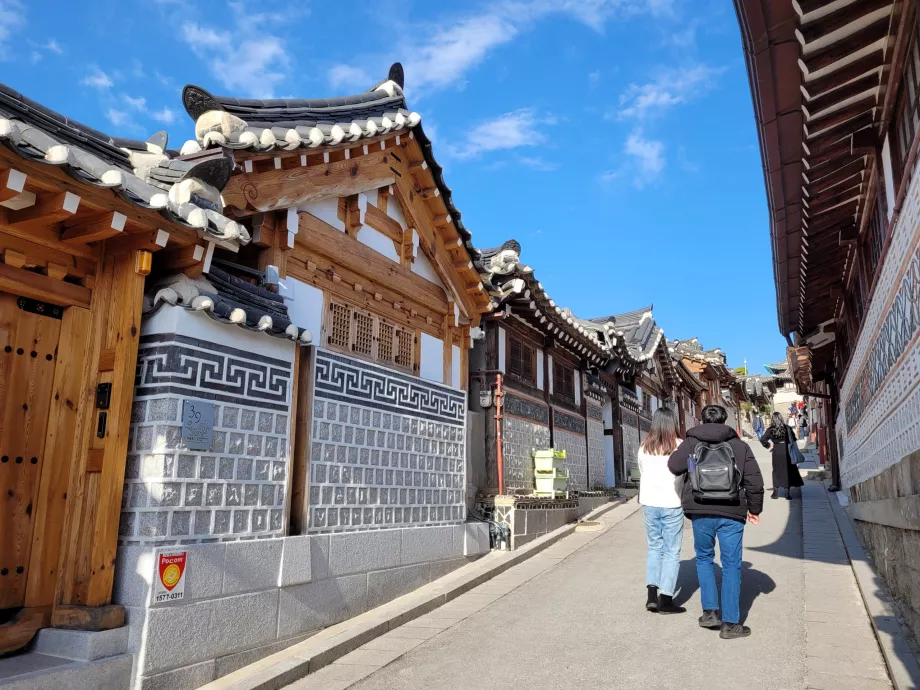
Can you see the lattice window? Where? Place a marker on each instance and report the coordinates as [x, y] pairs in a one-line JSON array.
[[369, 336], [522, 360], [907, 117], [339, 325], [364, 334], [563, 381], [404, 348], [386, 342]]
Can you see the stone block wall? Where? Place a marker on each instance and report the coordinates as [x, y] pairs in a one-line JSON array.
[[525, 426], [630, 426], [569, 435], [236, 488], [245, 600], [387, 449], [597, 471]]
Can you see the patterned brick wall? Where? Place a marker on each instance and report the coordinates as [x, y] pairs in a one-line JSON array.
[[879, 422], [569, 435], [630, 439], [237, 488], [525, 427], [597, 477], [388, 449]]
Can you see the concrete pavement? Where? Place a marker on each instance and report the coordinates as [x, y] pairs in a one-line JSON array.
[[574, 616]]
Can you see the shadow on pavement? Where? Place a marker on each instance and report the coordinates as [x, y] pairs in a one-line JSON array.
[[753, 584]]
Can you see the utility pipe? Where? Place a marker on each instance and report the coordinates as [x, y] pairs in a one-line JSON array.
[[498, 434]]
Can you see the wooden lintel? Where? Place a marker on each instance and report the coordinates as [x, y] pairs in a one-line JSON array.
[[22, 282], [94, 229], [49, 209], [276, 189]]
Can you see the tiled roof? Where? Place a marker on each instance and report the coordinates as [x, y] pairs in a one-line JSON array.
[[638, 329], [228, 299], [184, 190], [287, 124]]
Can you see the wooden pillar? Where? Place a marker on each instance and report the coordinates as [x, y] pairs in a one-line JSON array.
[[97, 472]]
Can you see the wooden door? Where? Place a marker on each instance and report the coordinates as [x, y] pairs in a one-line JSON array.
[[29, 333]]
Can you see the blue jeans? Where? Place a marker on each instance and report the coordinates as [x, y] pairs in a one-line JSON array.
[[706, 529], [664, 528]]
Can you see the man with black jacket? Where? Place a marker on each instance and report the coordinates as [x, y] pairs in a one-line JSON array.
[[723, 521]]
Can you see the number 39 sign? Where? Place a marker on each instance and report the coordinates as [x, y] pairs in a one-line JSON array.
[[170, 576], [197, 424]]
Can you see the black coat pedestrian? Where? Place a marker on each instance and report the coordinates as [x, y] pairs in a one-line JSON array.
[[785, 474]]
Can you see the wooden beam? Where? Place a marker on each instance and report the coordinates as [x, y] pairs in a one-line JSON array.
[[838, 19], [835, 194], [12, 182], [381, 222], [94, 229], [92, 618], [837, 78], [866, 85], [290, 188], [816, 126], [181, 258], [19, 281], [840, 49], [843, 173], [831, 203], [148, 241], [833, 136], [49, 209]]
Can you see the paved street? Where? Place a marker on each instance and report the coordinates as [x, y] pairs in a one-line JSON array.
[[574, 616]]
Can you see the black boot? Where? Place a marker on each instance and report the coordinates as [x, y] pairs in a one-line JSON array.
[[789, 494], [666, 605], [710, 619], [652, 603], [732, 631], [775, 494]]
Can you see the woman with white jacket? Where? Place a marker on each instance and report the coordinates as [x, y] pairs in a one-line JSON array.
[[659, 495]]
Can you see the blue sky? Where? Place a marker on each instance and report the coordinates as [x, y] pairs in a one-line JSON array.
[[614, 139]]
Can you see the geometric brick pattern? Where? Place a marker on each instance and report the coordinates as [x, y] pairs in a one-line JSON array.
[[881, 388], [630, 440], [387, 450], [597, 478], [519, 438], [576, 458]]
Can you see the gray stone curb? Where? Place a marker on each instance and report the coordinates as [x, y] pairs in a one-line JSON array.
[[283, 668], [899, 657]]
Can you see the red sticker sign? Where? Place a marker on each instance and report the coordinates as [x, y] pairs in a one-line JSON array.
[[170, 583]]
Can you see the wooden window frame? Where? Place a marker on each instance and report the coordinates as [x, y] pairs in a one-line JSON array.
[[397, 333], [561, 386], [512, 339]]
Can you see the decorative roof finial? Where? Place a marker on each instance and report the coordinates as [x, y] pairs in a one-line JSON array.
[[396, 74]]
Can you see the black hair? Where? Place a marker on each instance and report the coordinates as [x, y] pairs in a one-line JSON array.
[[777, 421], [714, 414]]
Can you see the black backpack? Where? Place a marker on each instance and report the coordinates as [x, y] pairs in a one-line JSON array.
[[714, 476]]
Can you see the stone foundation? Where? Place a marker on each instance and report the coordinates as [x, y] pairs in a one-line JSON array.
[[529, 518], [245, 600]]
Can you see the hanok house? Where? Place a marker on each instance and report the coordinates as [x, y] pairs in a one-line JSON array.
[[688, 393], [529, 378], [707, 365], [786, 393], [836, 89], [647, 384], [84, 217], [333, 478]]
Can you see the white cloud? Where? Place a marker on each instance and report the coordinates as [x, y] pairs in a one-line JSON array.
[[451, 49], [53, 46], [647, 155], [97, 79], [537, 163], [119, 118], [167, 116], [35, 56], [12, 19], [346, 75], [139, 104], [509, 131], [670, 88], [252, 67], [594, 77]]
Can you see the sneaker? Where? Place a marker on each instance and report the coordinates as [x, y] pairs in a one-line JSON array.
[[652, 603], [667, 605], [710, 619], [732, 631]]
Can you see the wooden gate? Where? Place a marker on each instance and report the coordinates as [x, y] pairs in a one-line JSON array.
[[29, 333]]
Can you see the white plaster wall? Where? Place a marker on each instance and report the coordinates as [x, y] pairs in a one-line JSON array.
[[305, 307], [889, 176], [455, 366], [502, 345], [326, 210], [431, 366], [577, 387], [540, 369], [395, 212], [422, 267], [379, 242], [550, 382]]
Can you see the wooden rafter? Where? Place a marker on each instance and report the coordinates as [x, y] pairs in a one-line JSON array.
[[817, 126], [841, 77], [829, 23], [862, 86], [851, 44]]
